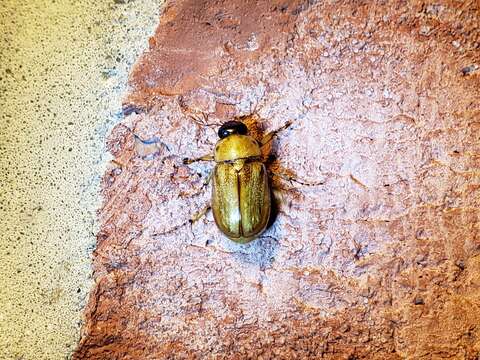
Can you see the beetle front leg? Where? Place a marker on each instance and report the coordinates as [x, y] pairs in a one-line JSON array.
[[201, 158], [268, 137]]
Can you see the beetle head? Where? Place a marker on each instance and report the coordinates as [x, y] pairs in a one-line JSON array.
[[232, 127]]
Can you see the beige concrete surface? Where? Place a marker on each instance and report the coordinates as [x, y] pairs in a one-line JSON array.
[[63, 70]]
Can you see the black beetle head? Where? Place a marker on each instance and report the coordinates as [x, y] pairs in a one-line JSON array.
[[232, 127]]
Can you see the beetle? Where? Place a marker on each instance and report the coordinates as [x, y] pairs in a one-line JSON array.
[[241, 202]]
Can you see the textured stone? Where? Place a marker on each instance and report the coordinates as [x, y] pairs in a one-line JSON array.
[[64, 67], [378, 260]]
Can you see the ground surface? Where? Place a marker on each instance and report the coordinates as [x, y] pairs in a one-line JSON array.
[[63, 70], [378, 261]]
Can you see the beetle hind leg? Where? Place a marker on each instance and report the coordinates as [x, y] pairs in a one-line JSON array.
[[198, 215]]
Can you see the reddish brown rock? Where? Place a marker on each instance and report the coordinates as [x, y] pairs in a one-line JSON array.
[[379, 261]]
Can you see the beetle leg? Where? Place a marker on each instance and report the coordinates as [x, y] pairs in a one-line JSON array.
[[197, 216], [201, 158], [291, 178], [208, 178], [268, 137]]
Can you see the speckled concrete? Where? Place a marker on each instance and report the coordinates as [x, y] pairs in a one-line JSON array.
[[63, 71]]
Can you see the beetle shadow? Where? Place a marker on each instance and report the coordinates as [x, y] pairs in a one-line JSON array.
[[260, 252], [274, 207]]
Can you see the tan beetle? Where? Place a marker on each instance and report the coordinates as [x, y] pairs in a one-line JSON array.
[[241, 201]]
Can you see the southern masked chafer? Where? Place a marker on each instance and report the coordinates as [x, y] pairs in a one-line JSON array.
[[241, 197]]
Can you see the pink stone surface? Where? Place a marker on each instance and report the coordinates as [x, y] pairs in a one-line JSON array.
[[379, 261]]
